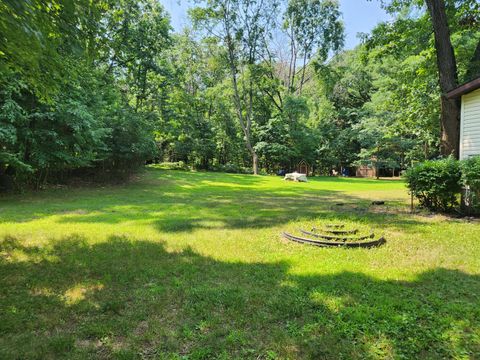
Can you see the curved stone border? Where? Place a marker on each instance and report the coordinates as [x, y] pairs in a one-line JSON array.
[[362, 244], [335, 237], [335, 226], [337, 232]]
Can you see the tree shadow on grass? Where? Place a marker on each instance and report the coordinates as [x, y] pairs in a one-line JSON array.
[[134, 299]]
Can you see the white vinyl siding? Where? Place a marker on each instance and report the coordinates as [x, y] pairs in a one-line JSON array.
[[470, 125]]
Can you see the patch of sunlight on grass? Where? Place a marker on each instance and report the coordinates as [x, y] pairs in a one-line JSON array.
[[42, 292], [380, 347], [20, 255], [79, 292], [333, 303]]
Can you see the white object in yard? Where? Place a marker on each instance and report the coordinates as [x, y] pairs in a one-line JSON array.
[[296, 177]]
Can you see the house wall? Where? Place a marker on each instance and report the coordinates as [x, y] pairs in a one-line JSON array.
[[470, 125]]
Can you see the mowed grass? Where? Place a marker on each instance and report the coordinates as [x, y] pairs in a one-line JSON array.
[[191, 265]]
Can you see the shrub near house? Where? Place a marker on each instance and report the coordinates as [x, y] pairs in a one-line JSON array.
[[437, 184], [471, 178]]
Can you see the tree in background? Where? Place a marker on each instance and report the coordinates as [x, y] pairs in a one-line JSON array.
[[72, 98], [314, 29], [243, 27]]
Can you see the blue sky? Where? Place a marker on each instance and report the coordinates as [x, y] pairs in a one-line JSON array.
[[358, 16]]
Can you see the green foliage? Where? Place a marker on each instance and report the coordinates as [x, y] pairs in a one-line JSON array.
[[231, 169], [436, 183], [471, 172], [104, 86], [86, 105], [315, 25], [471, 178], [314, 28], [12, 119]]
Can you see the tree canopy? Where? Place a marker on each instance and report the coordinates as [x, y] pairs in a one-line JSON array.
[[98, 88]]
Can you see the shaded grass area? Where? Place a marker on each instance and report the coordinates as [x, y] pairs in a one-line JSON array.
[[191, 265]]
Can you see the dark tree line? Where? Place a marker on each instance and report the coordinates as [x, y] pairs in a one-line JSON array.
[[75, 78]]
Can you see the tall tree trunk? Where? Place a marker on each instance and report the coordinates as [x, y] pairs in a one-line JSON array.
[[245, 124], [303, 73], [255, 163], [252, 152], [447, 70], [293, 61]]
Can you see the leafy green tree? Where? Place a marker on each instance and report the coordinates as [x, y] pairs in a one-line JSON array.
[[66, 102], [314, 28], [243, 28]]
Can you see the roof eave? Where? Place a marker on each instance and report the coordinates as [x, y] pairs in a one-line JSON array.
[[464, 89]]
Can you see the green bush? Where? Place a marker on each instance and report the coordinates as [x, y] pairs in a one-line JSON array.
[[231, 168], [471, 178], [436, 183], [178, 165]]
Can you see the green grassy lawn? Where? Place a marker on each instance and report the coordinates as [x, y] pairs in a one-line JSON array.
[[189, 265]]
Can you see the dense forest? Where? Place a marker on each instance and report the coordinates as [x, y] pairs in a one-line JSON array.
[[96, 89]]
